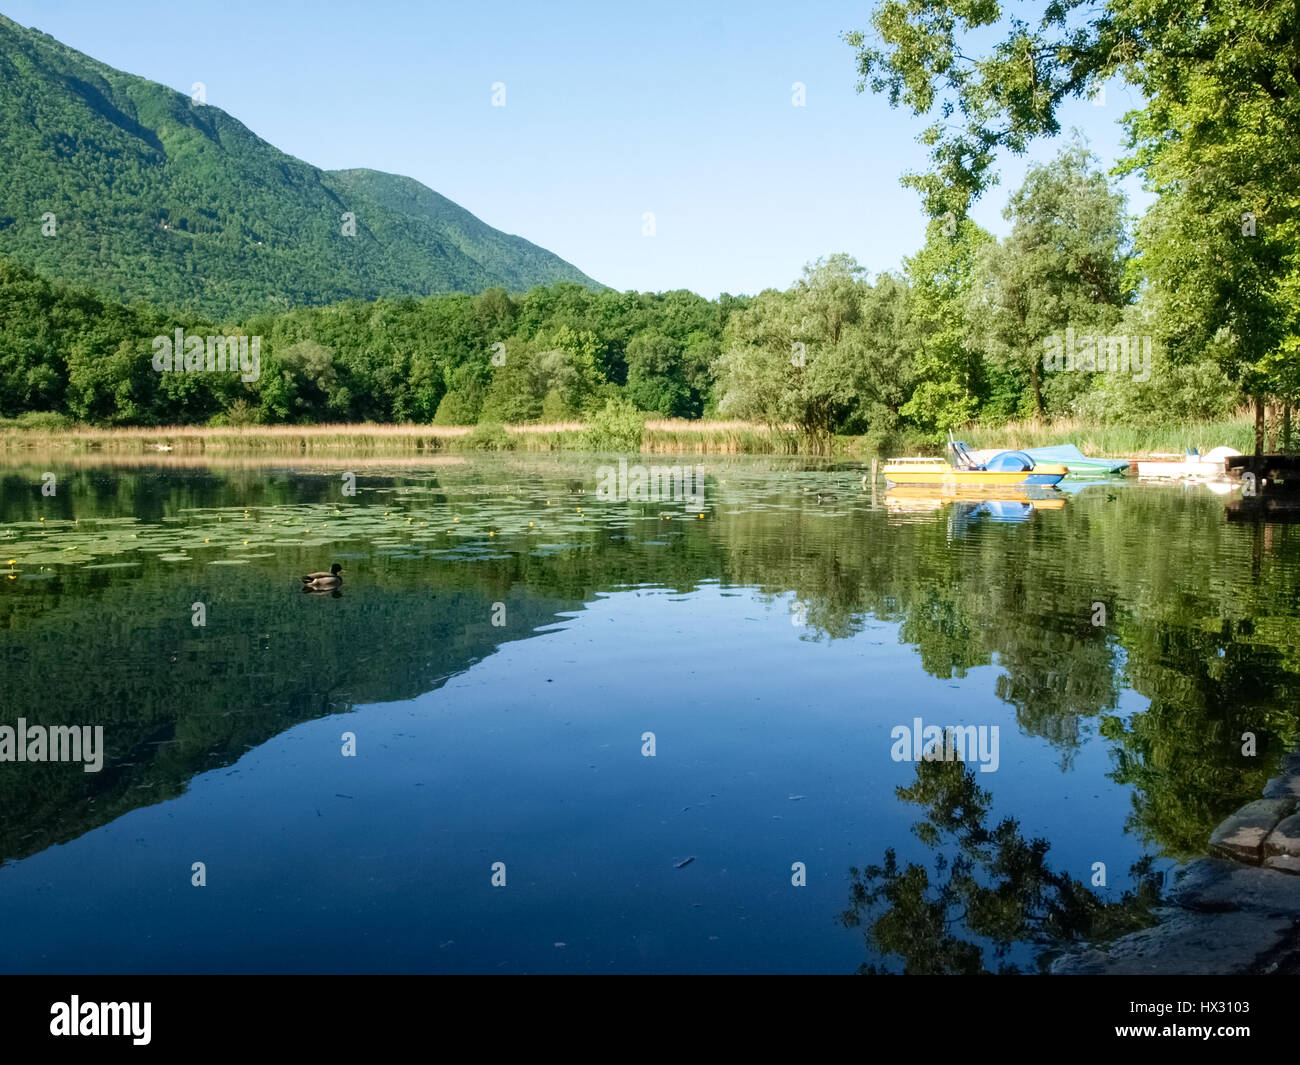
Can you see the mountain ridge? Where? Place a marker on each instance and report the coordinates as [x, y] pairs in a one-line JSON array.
[[156, 197]]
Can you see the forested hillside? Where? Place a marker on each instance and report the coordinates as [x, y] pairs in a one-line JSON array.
[[1078, 311], [145, 193]]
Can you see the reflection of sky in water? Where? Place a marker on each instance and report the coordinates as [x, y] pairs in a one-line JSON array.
[[773, 740]]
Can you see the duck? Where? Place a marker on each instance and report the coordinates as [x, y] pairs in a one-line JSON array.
[[322, 581], [822, 497]]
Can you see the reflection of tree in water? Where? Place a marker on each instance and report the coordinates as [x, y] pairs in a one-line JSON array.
[[1209, 685], [998, 891], [1212, 647], [1058, 673]]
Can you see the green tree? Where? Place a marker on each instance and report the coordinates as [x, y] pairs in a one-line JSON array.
[[947, 367], [1216, 136], [1061, 267], [303, 384], [802, 357], [655, 375]]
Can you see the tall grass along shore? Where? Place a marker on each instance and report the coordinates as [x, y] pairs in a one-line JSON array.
[[659, 436]]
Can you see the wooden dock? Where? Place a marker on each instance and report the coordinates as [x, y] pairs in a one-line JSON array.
[[1264, 474]]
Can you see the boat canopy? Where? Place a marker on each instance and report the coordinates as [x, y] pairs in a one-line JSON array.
[[1010, 461], [1076, 460], [1002, 462]]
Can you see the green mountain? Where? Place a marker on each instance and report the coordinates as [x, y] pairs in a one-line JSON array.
[[156, 197]]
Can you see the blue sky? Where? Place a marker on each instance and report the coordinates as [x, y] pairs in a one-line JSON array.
[[680, 109]]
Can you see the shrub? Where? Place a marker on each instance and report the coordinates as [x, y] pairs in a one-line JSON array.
[[43, 421], [460, 406], [239, 413], [619, 426], [490, 436], [1175, 394]]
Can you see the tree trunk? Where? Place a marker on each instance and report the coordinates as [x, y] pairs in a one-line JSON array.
[[1039, 409], [1259, 427], [1272, 429], [1286, 427]]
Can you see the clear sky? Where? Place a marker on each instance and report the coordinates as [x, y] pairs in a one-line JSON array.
[[611, 110]]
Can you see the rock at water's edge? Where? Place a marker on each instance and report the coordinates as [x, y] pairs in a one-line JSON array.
[[1185, 943], [1242, 835], [1282, 847]]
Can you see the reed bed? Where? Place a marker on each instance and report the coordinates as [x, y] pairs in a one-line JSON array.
[[661, 436], [716, 437], [1123, 441], [362, 438], [269, 439]]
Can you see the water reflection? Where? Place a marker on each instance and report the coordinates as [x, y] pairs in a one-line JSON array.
[[979, 602], [992, 893]]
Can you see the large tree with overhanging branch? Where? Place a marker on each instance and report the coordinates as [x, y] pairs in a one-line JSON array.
[[1215, 138]]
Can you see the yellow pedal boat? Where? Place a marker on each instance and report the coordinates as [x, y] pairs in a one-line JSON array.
[[1005, 468]]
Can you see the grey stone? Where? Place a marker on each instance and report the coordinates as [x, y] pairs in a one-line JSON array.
[[1185, 943], [1242, 835], [1200, 878], [1284, 840], [1213, 885], [1286, 786], [1222, 917]]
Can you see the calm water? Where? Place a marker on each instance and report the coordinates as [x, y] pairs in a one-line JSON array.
[[504, 640]]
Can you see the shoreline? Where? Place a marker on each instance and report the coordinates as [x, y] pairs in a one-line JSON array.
[[660, 436], [1236, 910]]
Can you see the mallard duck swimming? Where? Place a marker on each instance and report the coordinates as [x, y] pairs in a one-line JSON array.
[[822, 497], [322, 580]]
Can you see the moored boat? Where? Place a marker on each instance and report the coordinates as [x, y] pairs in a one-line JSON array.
[[1211, 466], [1069, 456], [1004, 468]]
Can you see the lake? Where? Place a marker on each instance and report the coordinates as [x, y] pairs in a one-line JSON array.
[[537, 729]]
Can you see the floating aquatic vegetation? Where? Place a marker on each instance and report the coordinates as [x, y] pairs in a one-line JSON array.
[[470, 510]]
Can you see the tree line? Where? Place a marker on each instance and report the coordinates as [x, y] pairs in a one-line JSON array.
[[1214, 261], [971, 327]]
